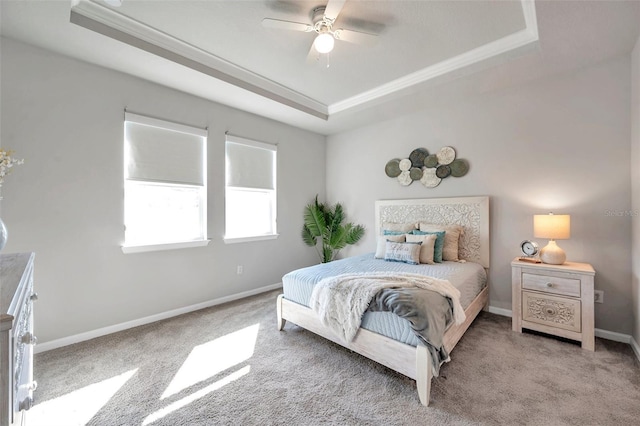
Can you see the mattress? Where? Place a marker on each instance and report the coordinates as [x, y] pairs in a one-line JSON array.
[[470, 278]]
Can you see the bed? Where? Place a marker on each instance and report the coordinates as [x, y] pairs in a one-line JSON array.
[[383, 336]]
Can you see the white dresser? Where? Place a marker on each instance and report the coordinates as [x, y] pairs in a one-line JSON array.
[[16, 337]]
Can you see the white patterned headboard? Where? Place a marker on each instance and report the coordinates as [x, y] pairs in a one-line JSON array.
[[470, 212]]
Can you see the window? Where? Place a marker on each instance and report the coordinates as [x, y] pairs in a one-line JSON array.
[[250, 195], [165, 192]]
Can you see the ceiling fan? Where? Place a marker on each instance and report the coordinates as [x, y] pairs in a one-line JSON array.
[[322, 23]]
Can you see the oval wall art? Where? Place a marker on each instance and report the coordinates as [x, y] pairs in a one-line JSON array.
[[429, 169]]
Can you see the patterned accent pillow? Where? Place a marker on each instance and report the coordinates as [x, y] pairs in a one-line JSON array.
[[451, 239], [403, 252], [382, 243], [427, 248], [439, 245]]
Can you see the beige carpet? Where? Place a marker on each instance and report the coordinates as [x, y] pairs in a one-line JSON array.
[[229, 365]]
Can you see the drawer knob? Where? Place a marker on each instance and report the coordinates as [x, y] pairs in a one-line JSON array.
[[34, 296], [33, 386], [549, 285], [26, 403], [29, 339]]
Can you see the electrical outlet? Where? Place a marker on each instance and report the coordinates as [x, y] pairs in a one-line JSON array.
[[599, 296], [239, 270]]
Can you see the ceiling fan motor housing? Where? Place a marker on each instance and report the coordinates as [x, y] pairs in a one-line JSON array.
[[317, 14], [321, 24]]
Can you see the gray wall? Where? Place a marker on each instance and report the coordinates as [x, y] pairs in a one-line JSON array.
[[65, 118], [635, 185], [560, 144]]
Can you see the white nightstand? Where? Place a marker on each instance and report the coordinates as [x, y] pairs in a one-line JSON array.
[[554, 299]]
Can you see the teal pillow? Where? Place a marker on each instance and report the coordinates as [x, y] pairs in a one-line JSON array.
[[387, 232], [437, 248]]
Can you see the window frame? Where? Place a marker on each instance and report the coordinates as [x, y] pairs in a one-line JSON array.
[[137, 247], [274, 213]]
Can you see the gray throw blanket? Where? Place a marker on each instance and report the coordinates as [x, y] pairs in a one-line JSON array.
[[428, 313], [340, 301]]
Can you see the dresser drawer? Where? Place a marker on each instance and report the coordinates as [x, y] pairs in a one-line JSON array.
[[24, 340], [558, 312], [16, 338], [551, 284]]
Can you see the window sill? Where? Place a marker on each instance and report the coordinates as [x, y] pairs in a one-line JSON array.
[[166, 246], [235, 240]]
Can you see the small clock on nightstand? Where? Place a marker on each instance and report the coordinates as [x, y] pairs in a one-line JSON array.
[[529, 250]]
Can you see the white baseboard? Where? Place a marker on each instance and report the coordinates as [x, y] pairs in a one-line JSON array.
[[65, 341], [635, 347], [612, 335], [500, 311]]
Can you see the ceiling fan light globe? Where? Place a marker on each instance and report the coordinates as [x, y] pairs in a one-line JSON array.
[[324, 43]]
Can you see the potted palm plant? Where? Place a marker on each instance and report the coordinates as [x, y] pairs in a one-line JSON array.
[[324, 223]]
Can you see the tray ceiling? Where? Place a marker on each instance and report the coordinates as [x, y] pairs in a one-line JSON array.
[[221, 51]]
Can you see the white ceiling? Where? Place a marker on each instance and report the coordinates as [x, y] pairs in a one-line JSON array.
[[425, 50]]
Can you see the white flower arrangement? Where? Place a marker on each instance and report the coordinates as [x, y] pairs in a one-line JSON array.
[[6, 163]]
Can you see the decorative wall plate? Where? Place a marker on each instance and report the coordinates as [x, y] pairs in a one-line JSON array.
[[459, 167], [429, 169], [405, 178], [405, 164], [417, 157], [431, 161], [429, 178], [443, 171], [446, 155], [415, 173], [392, 169]]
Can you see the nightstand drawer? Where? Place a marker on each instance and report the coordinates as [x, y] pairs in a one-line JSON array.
[[558, 312], [551, 284]]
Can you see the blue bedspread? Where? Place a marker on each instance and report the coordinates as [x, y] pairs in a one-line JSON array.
[[395, 313]]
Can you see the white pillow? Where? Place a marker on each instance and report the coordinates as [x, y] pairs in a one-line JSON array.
[[427, 247], [451, 238], [403, 252], [398, 227], [382, 243]]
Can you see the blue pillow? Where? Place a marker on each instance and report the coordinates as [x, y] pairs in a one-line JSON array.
[[437, 248], [387, 232]]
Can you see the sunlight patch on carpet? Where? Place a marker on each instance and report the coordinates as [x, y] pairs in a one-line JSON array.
[[214, 357], [195, 396], [79, 406]]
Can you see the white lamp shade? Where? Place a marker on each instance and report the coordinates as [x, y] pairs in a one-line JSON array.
[[552, 226], [324, 43]]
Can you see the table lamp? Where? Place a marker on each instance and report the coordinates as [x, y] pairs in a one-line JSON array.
[[554, 227]]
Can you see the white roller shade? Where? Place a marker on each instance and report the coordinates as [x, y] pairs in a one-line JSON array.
[[250, 164], [164, 152]]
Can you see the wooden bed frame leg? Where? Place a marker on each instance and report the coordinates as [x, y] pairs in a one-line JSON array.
[[424, 374], [280, 321]]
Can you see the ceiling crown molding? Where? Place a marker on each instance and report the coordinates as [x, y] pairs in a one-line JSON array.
[[506, 44], [111, 23]]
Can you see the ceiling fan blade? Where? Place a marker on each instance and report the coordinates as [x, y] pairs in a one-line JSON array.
[[313, 56], [286, 25], [333, 8], [356, 37]]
